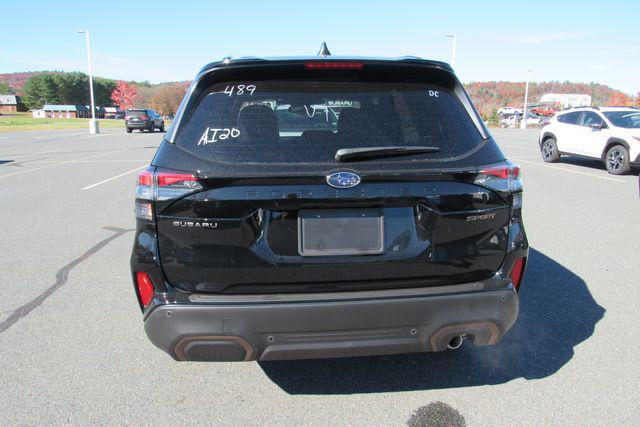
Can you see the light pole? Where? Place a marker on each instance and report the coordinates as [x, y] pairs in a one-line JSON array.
[[93, 123], [453, 48], [523, 123]]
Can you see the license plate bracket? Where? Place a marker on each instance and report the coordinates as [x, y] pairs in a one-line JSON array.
[[335, 232]]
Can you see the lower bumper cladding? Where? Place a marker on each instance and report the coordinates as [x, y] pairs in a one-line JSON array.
[[269, 328]]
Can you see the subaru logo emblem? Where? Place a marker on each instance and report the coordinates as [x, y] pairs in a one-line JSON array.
[[343, 180]]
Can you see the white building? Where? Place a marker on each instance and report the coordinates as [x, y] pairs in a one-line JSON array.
[[567, 100]]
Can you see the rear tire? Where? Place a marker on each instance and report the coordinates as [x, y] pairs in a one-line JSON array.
[[162, 127], [549, 150], [617, 160], [151, 127], [128, 130]]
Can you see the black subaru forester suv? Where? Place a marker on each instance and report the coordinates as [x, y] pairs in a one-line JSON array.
[[327, 207]]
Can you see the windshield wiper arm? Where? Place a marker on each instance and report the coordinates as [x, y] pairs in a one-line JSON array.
[[367, 153]]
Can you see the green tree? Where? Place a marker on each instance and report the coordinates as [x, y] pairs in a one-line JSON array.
[[5, 89], [494, 120], [102, 90], [73, 88], [39, 90]]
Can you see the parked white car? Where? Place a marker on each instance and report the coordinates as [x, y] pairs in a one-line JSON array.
[[611, 134], [512, 121], [508, 111]]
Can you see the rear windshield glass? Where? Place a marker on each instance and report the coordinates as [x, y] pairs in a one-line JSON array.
[[136, 112], [308, 121]]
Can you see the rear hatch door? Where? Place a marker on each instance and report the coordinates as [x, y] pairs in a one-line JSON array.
[[275, 211]]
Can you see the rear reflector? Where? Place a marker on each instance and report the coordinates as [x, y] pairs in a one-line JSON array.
[[145, 288], [516, 272], [333, 65]]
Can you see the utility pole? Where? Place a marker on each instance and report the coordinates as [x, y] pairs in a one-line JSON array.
[[523, 123], [93, 123], [453, 48]]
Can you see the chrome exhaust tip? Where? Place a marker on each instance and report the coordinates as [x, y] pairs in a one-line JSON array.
[[456, 342]]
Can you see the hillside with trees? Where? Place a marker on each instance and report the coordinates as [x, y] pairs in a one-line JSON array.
[[490, 96], [16, 81], [65, 88], [55, 87]]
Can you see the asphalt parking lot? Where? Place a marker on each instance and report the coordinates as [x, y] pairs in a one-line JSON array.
[[73, 349]]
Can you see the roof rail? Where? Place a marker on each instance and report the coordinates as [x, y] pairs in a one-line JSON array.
[[581, 106]]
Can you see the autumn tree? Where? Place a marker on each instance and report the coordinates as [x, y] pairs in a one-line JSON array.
[[167, 99], [145, 93], [620, 99], [124, 95]]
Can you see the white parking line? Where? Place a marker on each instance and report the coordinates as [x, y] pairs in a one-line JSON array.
[[521, 147], [57, 162], [114, 177], [11, 156], [61, 163], [544, 165]]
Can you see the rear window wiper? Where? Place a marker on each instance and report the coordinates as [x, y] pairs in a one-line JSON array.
[[367, 153]]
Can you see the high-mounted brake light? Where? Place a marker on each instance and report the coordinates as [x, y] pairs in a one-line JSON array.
[[145, 288], [333, 65]]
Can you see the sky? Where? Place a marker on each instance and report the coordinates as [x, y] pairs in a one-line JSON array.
[[158, 40]]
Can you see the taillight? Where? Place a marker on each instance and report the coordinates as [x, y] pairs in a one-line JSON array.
[[145, 288], [160, 186], [333, 65], [516, 272], [170, 185], [504, 178]]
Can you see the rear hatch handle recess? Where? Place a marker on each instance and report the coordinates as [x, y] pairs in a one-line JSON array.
[[367, 153]]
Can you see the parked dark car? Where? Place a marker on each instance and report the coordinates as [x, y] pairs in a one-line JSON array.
[[143, 119], [392, 226]]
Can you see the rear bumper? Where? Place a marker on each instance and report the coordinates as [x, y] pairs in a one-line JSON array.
[[277, 327], [137, 125]]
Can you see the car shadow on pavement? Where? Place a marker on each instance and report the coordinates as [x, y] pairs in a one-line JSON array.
[[557, 312], [590, 164]]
